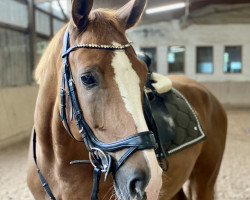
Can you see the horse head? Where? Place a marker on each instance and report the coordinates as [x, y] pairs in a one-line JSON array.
[[109, 84]]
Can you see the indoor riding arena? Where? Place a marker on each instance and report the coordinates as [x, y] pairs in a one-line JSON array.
[[205, 40]]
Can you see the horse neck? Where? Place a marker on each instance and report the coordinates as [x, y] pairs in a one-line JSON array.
[[53, 138]]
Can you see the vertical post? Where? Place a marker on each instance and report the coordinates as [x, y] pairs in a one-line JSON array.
[[51, 21], [187, 9], [162, 61], [32, 39]]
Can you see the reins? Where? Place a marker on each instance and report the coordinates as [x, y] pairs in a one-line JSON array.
[[98, 151]]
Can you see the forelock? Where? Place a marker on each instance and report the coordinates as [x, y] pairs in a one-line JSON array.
[[105, 19]]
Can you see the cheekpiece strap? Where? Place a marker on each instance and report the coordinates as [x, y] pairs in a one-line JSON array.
[[96, 179]]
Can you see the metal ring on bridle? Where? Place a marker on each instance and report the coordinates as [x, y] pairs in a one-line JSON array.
[[80, 131], [105, 167]]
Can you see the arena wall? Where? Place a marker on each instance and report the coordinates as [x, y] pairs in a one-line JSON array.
[[165, 34], [231, 94], [16, 113]]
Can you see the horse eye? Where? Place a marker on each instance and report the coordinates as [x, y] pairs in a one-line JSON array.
[[89, 80]]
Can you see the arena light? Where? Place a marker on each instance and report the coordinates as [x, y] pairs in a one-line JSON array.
[[165, 8]]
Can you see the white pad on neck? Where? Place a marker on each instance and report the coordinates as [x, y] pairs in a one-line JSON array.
[[163, 84]]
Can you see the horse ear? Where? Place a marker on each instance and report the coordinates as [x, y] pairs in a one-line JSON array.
[[80, 12], [130, 14]]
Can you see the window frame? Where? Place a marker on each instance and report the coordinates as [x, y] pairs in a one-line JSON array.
[[184, 60], [241, 60], [196, 60]]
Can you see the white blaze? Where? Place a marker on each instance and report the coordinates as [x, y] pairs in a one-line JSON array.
[[129, 86]]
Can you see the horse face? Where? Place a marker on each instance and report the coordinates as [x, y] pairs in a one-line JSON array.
[[109, 85]]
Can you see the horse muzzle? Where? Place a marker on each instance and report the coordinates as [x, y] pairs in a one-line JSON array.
[[131, 180]]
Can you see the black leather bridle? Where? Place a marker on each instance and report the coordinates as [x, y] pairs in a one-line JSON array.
[[98, 151]]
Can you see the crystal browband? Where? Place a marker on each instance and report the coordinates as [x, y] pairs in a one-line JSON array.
[[98, 46], [101, 46]]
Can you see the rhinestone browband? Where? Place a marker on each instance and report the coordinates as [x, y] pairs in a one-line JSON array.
[[98, 46]]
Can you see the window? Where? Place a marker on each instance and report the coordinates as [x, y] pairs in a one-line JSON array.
[[14, 13], [232, 59], [204, 60], [42, 23], [176, 59], [57, 25], [151, 52]]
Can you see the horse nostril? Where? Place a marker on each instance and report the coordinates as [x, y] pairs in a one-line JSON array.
[[137, 186]]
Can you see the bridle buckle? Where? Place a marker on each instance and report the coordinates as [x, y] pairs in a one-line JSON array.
[[92, 159]]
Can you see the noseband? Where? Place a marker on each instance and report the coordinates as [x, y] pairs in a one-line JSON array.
[[98, 151]]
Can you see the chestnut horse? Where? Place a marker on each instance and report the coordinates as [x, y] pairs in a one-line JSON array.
[[112, 108]]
